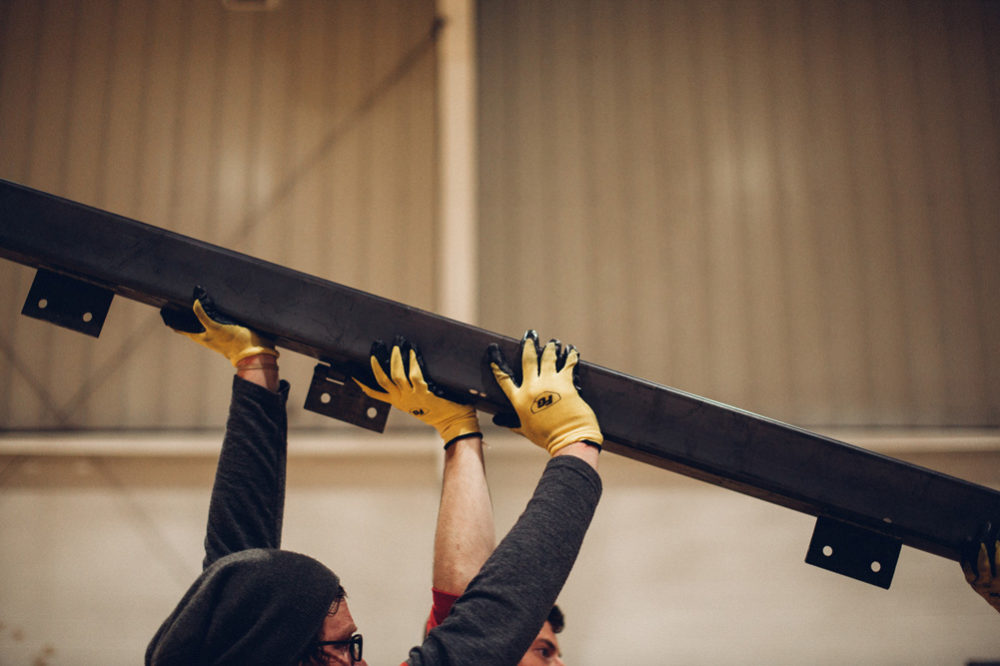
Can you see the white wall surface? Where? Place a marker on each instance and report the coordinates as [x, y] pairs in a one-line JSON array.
[[96, 550]]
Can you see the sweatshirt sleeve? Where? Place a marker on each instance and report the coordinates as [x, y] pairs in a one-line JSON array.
[[506, 604], [248, 496]]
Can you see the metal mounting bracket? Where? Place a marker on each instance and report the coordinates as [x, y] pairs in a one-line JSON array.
[[68, 302], [333, 393], [854, 552]]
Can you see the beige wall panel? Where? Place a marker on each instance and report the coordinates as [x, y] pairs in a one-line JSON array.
[[107, 545], [979, 165], [783, 205], [677, 197], [884, 357], [767, 368], [303, 136], [800, 309]]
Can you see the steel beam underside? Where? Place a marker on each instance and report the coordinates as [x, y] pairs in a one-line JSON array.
[[654, 424]]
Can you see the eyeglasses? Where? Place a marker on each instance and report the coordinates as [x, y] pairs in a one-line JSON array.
[[352, 647]]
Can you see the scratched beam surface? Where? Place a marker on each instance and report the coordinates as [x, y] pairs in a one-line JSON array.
[[641, 420]]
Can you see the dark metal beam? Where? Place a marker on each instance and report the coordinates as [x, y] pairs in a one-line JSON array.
[[869, 495]]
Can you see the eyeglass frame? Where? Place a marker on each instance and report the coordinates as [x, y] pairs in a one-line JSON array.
[[354, 645]]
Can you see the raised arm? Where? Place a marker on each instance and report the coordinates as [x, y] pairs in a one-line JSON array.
[[464, 536], [504, 606], [465, 533], [248, 494]]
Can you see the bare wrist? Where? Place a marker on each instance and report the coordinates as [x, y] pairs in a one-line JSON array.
[[258, 361], [586, 451], [261, 369]]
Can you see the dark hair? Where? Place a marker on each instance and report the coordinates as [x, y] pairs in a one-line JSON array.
[[313, 653], [556, 619], [338, 597]]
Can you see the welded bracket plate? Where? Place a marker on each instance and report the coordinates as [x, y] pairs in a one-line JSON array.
[[333, 393], [68, 302], [858, 553]]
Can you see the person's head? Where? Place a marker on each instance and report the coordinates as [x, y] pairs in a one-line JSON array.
[[544, 650], [338, 641], [255, 606]]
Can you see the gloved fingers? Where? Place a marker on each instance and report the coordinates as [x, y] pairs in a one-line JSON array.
[[529, 355], [396, 370], [420, 379], [208, 304], [499, 361], [570, 358], [383, 380], [570, 365], [550, 354], [981, 557], [381, 364], [991, 541], [501, 370], [504, 380], [970, 574], [433, 388], [378, 360], [206, 321], [381, 353], [416, 375], [190, 321], [983, 563], [988, 561], [988, 556], [372, 393], [181, 321]]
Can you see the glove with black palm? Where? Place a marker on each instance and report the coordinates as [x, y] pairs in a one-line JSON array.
[[550, 411], [207, 326], [405, 385], [981, 565]]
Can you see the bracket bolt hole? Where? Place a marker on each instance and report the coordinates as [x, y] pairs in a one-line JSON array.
[[43, 303], [828, 550], [88, 317], [876, 566], [325, 398], [371, 413]]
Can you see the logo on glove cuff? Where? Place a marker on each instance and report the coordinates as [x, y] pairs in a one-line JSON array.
[[544, 401]]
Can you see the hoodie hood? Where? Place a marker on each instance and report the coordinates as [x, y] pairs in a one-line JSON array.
[[258, 606]]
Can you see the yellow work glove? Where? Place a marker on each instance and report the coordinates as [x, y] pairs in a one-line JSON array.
[[408, 389], [214, 330], [550, 411], [982, 567]]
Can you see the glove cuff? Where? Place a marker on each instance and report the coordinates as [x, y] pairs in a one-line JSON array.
[[467, 435], [253, 350], [582, 433], [462, 425]]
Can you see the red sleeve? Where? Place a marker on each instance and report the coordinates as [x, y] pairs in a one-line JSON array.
[[440, 607], [443, 601]]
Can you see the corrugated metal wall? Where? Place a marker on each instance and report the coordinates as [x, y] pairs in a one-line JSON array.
[[789, 206], [304, 136]]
